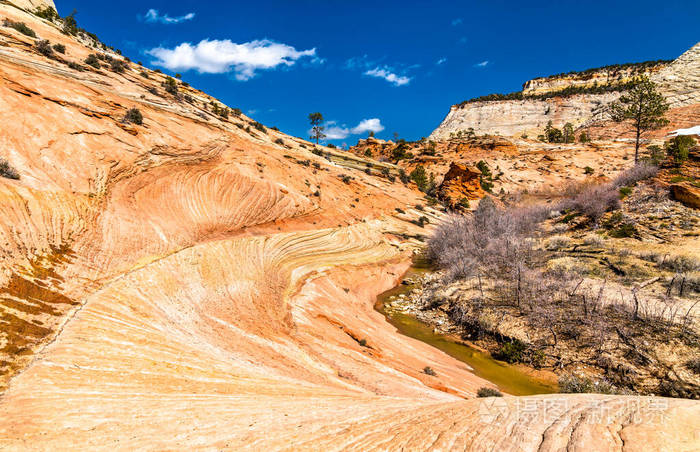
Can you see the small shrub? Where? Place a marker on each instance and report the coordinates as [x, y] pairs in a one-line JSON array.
[[625, 191], [75, 66], [279, 141], [593, 240], [134, 116], [117, 65], [557, 242], [368, 153], [93, 61], [488, 392], [572, 384], [7, 171], [170, 85], [429, 371], [21, 27], [638, 172], [679, 147], [60, 48], [44, 48], [588, 170], [331, 145], [259, 126], [623, 231]]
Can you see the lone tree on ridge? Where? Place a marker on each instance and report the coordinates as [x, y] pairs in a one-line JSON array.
[[316, 120]]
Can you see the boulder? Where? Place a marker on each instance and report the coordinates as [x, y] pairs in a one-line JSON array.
[[687, 194], [460, 181]]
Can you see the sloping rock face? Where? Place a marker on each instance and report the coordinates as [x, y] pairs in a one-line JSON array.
[[678, 81], [186, 284], [460, 182], [687, 194], [32, 5]]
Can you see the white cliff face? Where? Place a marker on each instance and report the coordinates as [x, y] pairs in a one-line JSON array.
[[678, 81], [518, 117], [32, 5]]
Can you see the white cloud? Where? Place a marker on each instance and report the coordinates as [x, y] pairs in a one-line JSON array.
[[368, 125], [335, 132], [482, 64], [397, 80], [457, 21], [220, 56], [441, 61], [152, 16]]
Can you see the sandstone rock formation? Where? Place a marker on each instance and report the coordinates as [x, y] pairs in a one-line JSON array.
[[195, 283], [679, 81], [460, 182], [687, 194]]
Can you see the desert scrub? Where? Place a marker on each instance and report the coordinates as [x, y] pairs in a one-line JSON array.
[[44, 48], [573, 384], [429, 371], [60, 48], [93, 61], [133, 115], [20, 26], [488, 392], [7, 171], [557, 242], [593, 240]]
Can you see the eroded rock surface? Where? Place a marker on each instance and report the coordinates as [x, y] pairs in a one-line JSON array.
[[193, 283]]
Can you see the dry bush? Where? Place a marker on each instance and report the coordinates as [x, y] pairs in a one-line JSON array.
[[593, 240], [490, 240], [557, 242], [638, 172]]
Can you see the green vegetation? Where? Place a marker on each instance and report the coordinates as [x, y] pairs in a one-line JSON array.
[[47, 13], [569, 136], [511, 352], [44, 47], [93, 61], [19, 26], [60, 48], [134, 116], [566, 92], [488, 392], [486, 178], [429, 371], [679, 147], [317, 127], [588, 170], [583, 138], [170, 85], [643, 106]]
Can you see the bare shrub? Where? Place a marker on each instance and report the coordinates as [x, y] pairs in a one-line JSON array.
[[557, 242], [593, 240], [134, 116], [693, 365], [491, 239], [593, 201], [576, 385], [638, 172], [44, 47]]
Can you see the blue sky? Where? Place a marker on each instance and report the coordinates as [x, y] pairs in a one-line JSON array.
[[396, 65]]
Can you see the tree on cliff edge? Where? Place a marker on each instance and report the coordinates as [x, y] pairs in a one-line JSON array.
[[643, 106], [316, 120]]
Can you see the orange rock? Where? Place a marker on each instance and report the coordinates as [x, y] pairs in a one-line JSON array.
[[686, 194], [460, 181]]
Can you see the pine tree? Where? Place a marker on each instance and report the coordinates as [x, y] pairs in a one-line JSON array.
[[316, 120], [643, 106]]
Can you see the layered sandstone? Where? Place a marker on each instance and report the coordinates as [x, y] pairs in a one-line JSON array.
[[194, 283], [678, 81], [460, 183]]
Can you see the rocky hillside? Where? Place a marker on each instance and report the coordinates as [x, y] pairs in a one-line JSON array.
[[577, 98], [175, 276]]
